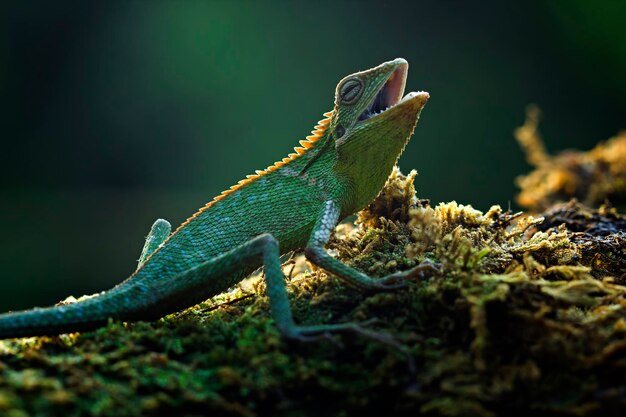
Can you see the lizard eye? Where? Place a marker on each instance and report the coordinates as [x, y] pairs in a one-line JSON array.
[[340, 131], [350, 91]]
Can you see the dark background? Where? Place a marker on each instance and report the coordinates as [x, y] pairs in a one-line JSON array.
[[117, 113]]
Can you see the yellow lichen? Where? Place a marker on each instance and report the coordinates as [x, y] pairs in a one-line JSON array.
[[591, 177]]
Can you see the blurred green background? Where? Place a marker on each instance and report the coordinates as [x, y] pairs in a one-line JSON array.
[[117, 113]]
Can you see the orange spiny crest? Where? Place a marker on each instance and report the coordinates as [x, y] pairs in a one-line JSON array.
[[316, 134]]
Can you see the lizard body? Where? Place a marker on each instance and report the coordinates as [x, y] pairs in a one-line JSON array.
[[295, 203]]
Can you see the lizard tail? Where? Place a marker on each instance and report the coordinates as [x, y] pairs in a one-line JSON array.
[[87, 314], [82, 315]]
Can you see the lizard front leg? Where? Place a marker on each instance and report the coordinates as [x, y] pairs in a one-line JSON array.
[[316, 253]]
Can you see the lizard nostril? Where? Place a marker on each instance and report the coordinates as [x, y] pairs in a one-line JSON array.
[[340, 131]]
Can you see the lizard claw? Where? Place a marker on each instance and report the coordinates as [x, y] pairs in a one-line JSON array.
[[400, 279], [392, 282], [425, 269], [302, 337], [327, 332]]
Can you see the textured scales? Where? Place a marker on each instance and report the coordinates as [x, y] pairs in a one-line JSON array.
[[316, 134], [218, 226], [295, 203]]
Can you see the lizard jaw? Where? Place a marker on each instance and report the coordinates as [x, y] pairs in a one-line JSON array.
[[389, 94]]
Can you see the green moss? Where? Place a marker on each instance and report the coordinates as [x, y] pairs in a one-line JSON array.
[[522, 319]]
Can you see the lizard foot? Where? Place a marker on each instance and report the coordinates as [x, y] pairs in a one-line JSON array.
[[306, 334], [401, 279]]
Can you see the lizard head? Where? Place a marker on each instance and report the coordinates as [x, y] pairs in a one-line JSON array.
[[371, 124]]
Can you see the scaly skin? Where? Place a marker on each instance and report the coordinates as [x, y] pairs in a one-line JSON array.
[[295, 203]]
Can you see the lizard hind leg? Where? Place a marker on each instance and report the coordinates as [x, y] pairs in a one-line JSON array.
[[139, 298], [217, 274], [267, 247], [279, 304]]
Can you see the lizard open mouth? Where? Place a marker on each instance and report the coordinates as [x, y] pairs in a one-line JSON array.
[[389, 95]]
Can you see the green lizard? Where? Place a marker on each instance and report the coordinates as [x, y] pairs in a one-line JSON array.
[[295, 203]]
